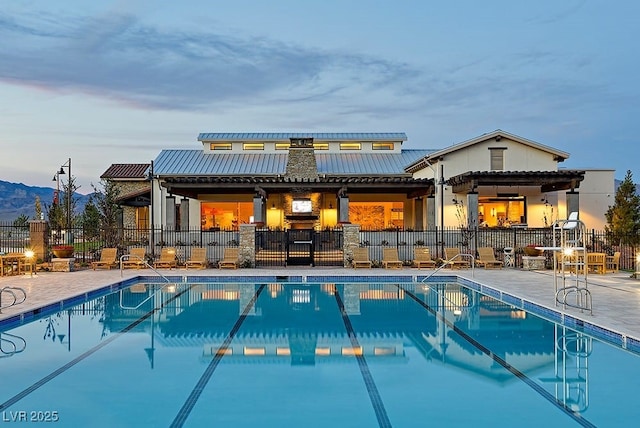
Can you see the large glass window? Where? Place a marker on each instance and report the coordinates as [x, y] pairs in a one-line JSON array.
[[502, 211], [225, 215], [377, 215], [142, 217]]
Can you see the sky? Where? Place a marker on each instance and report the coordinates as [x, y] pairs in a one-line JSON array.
[[105, 82]]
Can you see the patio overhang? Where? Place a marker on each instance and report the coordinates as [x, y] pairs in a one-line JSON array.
[[193, 186], [547, 181]]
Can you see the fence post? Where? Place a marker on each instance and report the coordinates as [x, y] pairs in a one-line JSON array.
[[39, 238]]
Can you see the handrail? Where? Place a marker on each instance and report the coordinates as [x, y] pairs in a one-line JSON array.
[[12, 340], [10, 290], [447, 262], [150, 267], [127, 256], [144, 301]]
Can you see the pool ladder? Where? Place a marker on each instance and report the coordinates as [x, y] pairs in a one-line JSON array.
[[17, 344], [446, 263], [16, 299]]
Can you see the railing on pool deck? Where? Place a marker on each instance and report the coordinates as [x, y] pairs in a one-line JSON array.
[[16, 299], [448, 262]]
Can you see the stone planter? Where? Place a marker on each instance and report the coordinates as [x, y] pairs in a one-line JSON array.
[[532, 251], [62, 252]]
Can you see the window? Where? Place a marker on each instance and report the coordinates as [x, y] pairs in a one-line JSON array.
[[142, 217], [253, 146], [382, 146], [220, 146], [350, 146], [497, 158], [282, 146], [321, 146]]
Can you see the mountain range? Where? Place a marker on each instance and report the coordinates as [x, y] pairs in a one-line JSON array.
[[17, 199]]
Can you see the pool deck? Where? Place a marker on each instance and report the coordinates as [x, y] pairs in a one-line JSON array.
[[616, 296]]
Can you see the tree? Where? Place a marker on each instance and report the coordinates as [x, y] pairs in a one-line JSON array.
[[38, 209], [91, 221], [105, 200], [623, 217], [22, 222]]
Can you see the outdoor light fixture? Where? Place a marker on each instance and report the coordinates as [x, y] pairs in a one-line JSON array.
[[67, 164]]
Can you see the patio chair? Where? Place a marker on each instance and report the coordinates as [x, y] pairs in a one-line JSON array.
[[136, 259], [361, 258], [487, 258], [613, 263], [453, 259], [422, 257], [167, 259], [230, 259], [198, 259], [108, 259], [390, 259]]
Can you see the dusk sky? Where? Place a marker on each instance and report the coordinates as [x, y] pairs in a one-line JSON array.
[[109, 82]]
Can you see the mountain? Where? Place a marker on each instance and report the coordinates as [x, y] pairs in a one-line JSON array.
[[17, 199]]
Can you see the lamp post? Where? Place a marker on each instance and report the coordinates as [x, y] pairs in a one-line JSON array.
[[69, 195]]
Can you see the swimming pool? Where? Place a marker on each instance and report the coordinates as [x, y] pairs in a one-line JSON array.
[[283, 353]]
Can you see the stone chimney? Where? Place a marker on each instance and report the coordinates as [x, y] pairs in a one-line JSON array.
[[301, 163]]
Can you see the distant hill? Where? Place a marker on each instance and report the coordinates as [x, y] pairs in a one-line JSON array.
[[17, 199]]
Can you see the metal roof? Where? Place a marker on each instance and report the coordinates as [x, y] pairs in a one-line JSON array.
[[196, 162], [126, 170], [324, 136]]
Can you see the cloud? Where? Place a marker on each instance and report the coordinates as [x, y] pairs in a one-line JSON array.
[[115, 56]]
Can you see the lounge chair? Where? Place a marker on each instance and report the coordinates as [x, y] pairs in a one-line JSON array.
[[361, 258], [390, 259], [422, 258], [230, 258], [613, 263], [453, 259], [136, 258], [487, 258], [198, 259], [108, 259], [167, 259]]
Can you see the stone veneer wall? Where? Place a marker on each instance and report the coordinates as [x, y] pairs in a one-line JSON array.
[[129, 213], [301, 163], [247, 245], [351, 240], [39, 238]]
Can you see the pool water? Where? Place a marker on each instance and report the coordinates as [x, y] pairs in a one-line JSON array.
[[312, 355]]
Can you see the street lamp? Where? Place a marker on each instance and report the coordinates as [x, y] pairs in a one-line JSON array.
[[69, 195]]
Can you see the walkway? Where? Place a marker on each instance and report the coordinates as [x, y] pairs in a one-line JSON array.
[[616, 297]]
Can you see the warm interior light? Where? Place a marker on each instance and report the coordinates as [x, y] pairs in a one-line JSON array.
[[29, 254]]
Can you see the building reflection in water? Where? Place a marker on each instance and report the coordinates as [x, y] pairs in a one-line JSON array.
[[302, 324]]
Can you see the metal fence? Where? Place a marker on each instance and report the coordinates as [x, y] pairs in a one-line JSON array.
[[468, 240], [271, 246]]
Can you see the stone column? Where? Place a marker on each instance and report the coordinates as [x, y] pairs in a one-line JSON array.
[[343, 209], [472, 210], [247, 245], [351, 240], [170, 212], [431, 212], [418, 214], [39, 238], [184, 214], [258, 210], [573, 203]]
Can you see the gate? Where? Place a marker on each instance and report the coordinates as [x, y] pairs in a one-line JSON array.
[[299, 247]]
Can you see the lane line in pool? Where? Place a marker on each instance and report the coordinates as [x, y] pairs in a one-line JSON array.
[[190, 402], [532, 384], [372, 389], [19, 396]]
